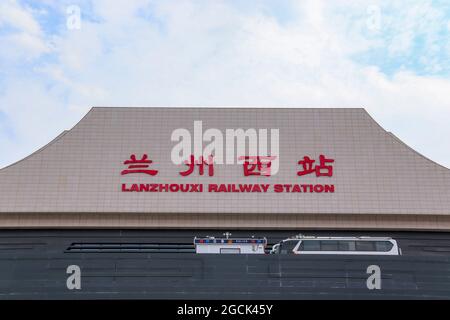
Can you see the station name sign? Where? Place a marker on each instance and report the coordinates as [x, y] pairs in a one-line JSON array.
[[228, 188], [252, 166], [192, 158]]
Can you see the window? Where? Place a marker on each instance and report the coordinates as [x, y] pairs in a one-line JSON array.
[[342, 245], [309, 245], [329, 245], [287, 247], [346, 245], [365, 245], [383, 246]]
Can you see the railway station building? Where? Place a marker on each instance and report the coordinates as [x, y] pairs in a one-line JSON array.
[[226, 168]]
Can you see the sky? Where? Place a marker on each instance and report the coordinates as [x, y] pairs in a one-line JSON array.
[[60, 58]]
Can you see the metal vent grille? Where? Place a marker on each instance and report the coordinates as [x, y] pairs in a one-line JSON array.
[[132, 247]]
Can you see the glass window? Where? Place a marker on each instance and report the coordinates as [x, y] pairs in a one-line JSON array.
[[383, 246], [329, 245], [310, 245], [346, 245], [365, 246], [287, 247]]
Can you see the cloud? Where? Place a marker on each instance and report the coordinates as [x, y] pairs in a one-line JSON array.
[[22, 37], [211, 53], [20, 18]]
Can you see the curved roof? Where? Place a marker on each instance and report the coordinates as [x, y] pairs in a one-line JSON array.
[[79, 171]]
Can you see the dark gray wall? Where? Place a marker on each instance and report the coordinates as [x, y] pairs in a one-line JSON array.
[[33, 265]]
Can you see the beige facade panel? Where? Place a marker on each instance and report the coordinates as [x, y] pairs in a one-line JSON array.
[[225, 221], [374, 174]]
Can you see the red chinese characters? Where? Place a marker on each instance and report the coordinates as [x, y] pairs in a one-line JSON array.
[[139, 166], [252, 165], [321, 170], [201, 162], [257, 165]]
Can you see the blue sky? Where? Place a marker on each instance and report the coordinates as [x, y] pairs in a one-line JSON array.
[[393, 58]]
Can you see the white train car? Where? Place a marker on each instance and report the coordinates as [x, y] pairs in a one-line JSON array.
[[212, 245], [338, 246]]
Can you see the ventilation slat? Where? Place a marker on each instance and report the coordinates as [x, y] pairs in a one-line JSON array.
[[132, 247]]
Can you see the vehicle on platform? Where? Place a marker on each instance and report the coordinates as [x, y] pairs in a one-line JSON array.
[[338, 246], [229, 245]]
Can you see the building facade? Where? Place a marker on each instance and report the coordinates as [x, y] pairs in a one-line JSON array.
[[185, 168]]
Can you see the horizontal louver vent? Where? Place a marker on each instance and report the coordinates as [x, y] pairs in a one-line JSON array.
[[131, 247]]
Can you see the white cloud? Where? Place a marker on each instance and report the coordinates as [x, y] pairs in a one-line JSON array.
[[211, 53], [18, 17], [26, 40]]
